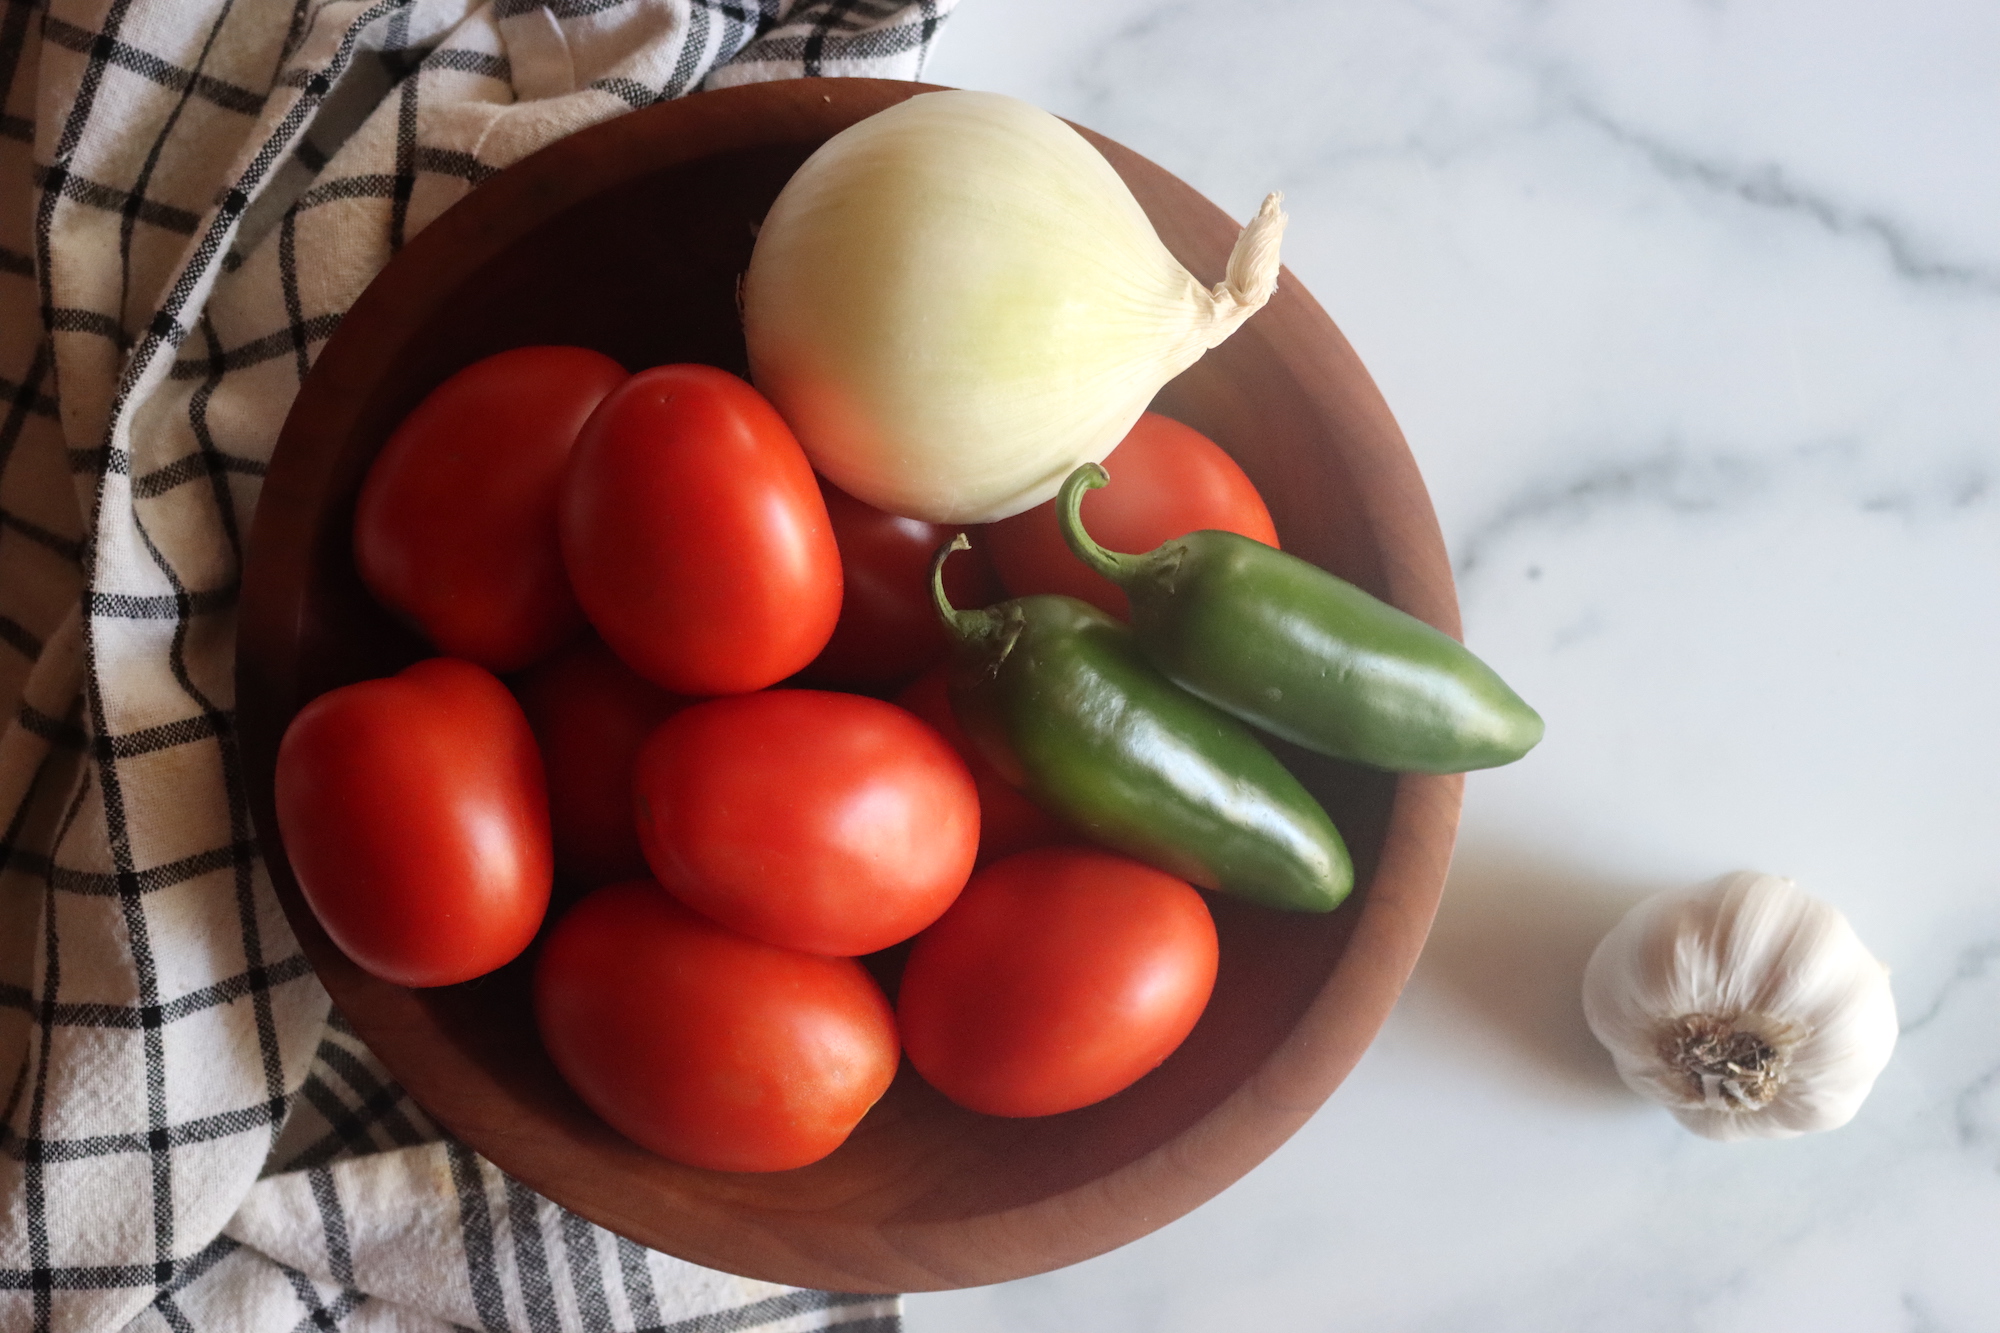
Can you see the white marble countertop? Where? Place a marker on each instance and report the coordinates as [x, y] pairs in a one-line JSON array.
[[1691, 314]]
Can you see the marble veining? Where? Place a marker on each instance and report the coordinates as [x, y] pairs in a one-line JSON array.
[[1667, 478], [1976, 963], [1673, 478], [1978, 1112], [1767, 185], [1688, 312]]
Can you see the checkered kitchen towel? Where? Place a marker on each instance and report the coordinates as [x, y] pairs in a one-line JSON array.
[[191, 193]]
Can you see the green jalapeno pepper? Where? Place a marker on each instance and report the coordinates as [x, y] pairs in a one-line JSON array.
[[1057, 696], [1288, 647]]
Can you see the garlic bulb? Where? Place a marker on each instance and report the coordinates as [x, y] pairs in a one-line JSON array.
[[1746, 1007], [956, 301]]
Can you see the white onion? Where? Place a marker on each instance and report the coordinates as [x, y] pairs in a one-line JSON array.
[[956, 301]]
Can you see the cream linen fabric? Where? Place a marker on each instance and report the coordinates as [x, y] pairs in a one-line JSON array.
[[191, 194]]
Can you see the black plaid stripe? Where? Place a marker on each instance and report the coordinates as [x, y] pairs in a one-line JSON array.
[[23, 401], [285, 342], [69, 548], [333, 1221], [69, 319], [776, 1309], [471, 62], [562, 9], [629, 91], [139, 606], [346, 1108], [210, 464], [873, 44], [208, 461], [320, 1315], [819, 36], [18, 637], [160, 1178], [214, 721], [27, 397], [13, 995], [531, 1260], [228, 96], [583, 1254], [100, 1277], [475, 1224], [101, 884], [194, 1268], [383, 1104], [295, 330], [64, 733], [636, 1277], [63, 183], [351, 1130], [44, 1274], [452, 162], [688, 67], [14, 23], [259, 978], [527, 1220], [139, 943], [182, 731], [741, 25], [404, 183], [180, 1134], [152, 67]]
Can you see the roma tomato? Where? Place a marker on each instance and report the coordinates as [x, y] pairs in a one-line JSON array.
[[695, 536], [832, 823], [414, 816], [1167, 480], [455, 528], [705, 1046], [1060, 976], [589, 712], [1008, 821], [888, 629]]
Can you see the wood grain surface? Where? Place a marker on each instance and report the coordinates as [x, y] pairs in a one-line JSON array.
[[629, 238]]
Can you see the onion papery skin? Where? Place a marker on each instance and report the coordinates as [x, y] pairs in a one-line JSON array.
[[956, 301]]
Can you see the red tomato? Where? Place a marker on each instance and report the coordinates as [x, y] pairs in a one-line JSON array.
[[1008, 821], [414, 816], [832, 823], [1060, 976], [695, 536], [455, 529], [888, 629], [704, 1046], [589, 712], [1167, 480]]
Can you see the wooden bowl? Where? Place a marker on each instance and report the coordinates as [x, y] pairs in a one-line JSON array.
[[628, 238]]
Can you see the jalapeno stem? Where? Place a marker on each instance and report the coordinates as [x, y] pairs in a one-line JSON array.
[[1069, 518], [964, 626]]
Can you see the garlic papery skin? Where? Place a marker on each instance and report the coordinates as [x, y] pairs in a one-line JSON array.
[[956, 301], [1747, 1007]]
